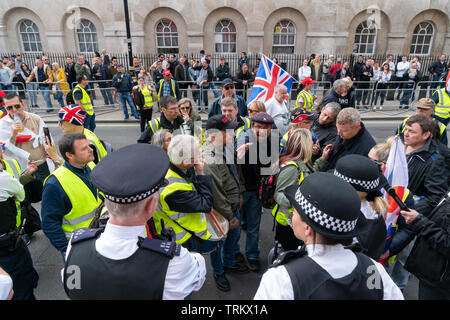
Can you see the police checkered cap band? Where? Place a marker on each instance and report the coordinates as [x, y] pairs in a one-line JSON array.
[[322, 218], [366, 184], [134, 198]]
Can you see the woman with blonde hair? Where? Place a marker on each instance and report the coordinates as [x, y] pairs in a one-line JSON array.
[[192, 124], [255, 107], [364, 175], [294, 165], [60, 83]]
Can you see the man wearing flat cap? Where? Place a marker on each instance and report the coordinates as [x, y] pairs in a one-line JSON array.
[[325, 268], [425, 106], [124, 260], [257, 150]]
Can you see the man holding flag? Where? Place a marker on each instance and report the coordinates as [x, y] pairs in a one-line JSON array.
[[272, 86]]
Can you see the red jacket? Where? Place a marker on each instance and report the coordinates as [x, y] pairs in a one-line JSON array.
[[334, 68]]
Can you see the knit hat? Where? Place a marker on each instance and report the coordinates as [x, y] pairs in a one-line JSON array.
[[73, 114]]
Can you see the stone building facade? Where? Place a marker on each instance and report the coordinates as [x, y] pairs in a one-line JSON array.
[[228, 26]]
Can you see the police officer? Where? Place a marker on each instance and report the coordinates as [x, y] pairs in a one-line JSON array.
[[15, 258], [121, 261], [323, 268], [71, 121]]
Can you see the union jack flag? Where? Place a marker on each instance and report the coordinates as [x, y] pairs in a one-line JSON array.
[[269, 75]]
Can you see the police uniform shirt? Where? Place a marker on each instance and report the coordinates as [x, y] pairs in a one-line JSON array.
[[9, 187], [185, 274], [276, 282]]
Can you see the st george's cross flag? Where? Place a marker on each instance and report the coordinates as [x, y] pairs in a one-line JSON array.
[[269, 75], [396, 173]]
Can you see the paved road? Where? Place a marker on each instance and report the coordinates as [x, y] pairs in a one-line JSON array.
[[48, 261]]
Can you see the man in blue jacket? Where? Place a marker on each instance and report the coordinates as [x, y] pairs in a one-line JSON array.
[[123, 82], [228, 91]]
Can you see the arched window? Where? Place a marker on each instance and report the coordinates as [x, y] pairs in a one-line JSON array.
[[283, 37], [422, 38], [166, 36], [87, 36], [225, 36], [29, 32], [365, 38]]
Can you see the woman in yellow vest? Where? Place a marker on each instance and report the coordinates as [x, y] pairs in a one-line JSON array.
[[305, 98], [144, 98], [295, 165]]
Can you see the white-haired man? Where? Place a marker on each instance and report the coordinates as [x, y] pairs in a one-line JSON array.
[[353, 137], [276, 108], [185, 200]]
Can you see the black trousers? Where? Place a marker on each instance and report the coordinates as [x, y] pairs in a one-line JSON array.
[[146, 116], [285, 236], [19, 266]]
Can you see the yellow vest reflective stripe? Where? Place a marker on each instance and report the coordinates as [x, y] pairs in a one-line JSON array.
[[282, 214], [94, 140], [148, 98], [308, 100], [172, 83], [13, 168], [85, 101], [155, 125], [83, 201], [402, 128], [247, 124], [183, 223], [284, 140], [442, 108]]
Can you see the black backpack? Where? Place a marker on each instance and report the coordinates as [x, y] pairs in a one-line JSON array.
[[69, 98]]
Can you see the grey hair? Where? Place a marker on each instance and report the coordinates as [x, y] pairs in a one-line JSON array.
[[158, 138], [229, 101], [181, 148], [278, 87], [125, 211], [338, 83], [333, 107], [350, 116]]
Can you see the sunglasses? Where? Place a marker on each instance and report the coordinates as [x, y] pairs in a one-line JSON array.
[[228, 87], [17, 106], [252, 110], [185, 108]]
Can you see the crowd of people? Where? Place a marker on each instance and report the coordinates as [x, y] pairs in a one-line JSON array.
[[319, 171]]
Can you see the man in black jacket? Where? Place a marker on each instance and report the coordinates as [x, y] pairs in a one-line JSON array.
[[426, 168], [71, 75], [438, 71], [353, 137], [325, 126], [429, 257]]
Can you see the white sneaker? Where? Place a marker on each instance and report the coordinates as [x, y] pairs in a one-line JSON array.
[[374, 108], [381, 108]]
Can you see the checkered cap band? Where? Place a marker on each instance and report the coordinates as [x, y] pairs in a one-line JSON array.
[[368, 185], [134, 198], [322, 218]]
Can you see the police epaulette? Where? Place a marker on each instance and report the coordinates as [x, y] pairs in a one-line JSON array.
[[284, 257], [85, 234], [168, 248]]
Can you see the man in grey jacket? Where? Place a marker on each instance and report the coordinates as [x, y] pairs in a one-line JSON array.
[[228, 184]]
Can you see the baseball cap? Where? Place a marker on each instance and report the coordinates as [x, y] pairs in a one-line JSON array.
[[308, 80], [120, 65], [166, 73], [227, 81], [220, 122], [299, 114], [73, 114]]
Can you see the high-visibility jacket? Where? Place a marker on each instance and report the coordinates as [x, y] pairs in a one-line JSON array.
[[12, 167], [442, 109], [285, 138], [185, 224], [247, 124], [155, 125], [85, 101], [308, 100], [148, 97], [172, 83], [83, 201], [282, 214], [402, 127], [95, 141]]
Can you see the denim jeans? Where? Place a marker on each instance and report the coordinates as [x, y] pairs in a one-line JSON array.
[[89, 122], [407, 93], [314, 88], [32, 93], [105, 90], [125, 97], [231, 245], [45, 91], [215, 91], [204, 95], [252, 210], [206, 246], [59, 97], [434, 85]]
